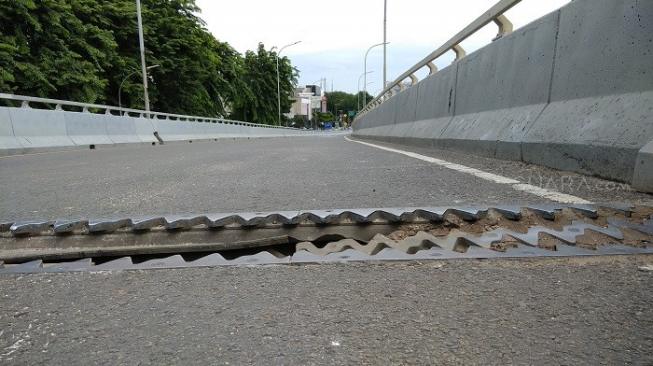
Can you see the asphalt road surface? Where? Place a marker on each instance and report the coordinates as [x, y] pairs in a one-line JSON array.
[[540, 311], [264, 175], [544, 312]]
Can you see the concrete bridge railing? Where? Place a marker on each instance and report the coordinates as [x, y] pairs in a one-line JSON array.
[[38, 124], [573, 90]]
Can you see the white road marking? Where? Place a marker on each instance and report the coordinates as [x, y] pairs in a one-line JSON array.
[[495, 178], [549, 194]]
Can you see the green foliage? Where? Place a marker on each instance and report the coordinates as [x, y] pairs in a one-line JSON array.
[[345, 102], [260, 77], [46, 50], [82, 50], [325, 117], [299, 121]]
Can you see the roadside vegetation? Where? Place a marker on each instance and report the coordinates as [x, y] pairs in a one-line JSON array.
[[345, 102], [82, 50]]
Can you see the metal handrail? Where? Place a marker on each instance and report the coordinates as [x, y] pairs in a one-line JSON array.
[[25, 100], [494, 14]]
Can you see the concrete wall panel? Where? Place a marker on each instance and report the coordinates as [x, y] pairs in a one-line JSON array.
[[121, 130], [643, 175], [145, 129], [38, 128], [436, 94], [604, 47], [599, 136], [87, 129], [511, 72], [8, 142], [176, 130], [387, 112], [601, 111], [501, 90], [495, 133], [406, 102]]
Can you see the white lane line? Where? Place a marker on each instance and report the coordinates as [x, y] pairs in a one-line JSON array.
[[549, 194], [495, 178]]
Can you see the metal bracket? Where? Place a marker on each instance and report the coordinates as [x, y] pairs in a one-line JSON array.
[[505, 26], [460, 52], [432, 68]]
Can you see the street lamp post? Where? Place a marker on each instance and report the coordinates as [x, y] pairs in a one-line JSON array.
[[365, 70], [385, 41], [278, 78], [123, 82], [142, 47], [369, 83], [358, 95]]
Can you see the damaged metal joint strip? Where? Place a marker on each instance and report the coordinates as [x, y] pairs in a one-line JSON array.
[[312, 236]]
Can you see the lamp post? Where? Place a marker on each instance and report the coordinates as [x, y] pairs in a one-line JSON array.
[[369, 83], [278, 78], [142, 47], [385, 41], [365, 70], [123, 82], [358, 95]]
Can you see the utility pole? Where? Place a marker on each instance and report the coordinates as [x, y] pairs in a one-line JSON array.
[[385, 41], [143, 67]]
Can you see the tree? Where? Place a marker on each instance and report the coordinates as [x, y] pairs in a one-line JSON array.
[[197, 74], [342, 101], [325, 117], [83, 50], [260, 77], [46, 50]]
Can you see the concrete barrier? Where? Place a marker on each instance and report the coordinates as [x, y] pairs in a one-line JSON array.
[[227, 129], [434, 110], [9, 144], [37, 128], [601, 111], [145, 129], [643, 175], [86, 129], [121, 129], [501, 90], [183, 130], [27, 129], [434, 99], [572, 90]]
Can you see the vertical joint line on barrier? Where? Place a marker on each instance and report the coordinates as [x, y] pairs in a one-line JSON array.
[[454, 91], [416, 86], [548, 99], [555, 55]]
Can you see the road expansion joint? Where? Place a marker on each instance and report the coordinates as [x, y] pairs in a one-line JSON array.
[[323, 236]]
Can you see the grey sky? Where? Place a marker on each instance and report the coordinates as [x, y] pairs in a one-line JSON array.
[[336, 33]]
